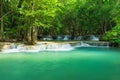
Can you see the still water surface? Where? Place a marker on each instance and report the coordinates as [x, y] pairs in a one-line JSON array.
[[79, 64]]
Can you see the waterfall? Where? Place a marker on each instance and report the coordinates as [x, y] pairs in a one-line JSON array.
[[66, 37], [59, 37], [84, 44], [78, 38], [38, 47], [51, 46], [94, 38], [48, 38], [92, 44]]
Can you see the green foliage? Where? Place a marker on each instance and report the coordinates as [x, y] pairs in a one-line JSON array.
[[40, 13], [61, 17], [113, 35]]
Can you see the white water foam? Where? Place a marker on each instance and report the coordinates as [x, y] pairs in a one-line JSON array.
[[50, 46], [38, 47], [93, 44]]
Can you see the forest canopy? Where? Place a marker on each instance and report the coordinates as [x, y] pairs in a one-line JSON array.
[[26, 20]]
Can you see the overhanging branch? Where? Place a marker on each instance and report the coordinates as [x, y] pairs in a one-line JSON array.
[[5, 14]]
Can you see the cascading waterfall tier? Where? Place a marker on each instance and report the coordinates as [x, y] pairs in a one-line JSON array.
[[41, 46], [51, 46]]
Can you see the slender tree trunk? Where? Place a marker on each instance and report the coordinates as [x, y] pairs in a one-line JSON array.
[[74, 29], [110, 23], [2, 25], [105, 25]]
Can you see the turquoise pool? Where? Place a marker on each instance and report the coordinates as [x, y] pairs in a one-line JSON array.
[[79, 64]]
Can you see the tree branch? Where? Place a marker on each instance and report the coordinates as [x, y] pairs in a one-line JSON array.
[[5, 14]]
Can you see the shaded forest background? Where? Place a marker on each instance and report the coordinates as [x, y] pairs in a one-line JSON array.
[[28, 20]]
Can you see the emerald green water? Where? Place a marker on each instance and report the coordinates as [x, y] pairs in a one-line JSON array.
[[79, 64]]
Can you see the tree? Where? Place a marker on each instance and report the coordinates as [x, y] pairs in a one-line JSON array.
[[36, 14], [6, 7], [114, 35], [1, 18]]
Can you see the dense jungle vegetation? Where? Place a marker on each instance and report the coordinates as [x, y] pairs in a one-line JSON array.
[[28, 20]]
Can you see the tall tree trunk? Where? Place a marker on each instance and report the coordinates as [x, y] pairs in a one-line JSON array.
[[33, 35], [33, 29], [28, 36], [1, 18]]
